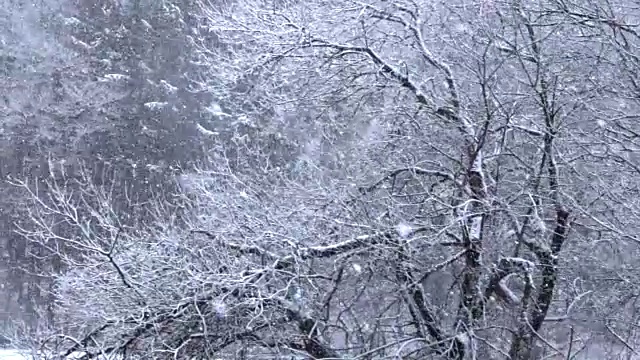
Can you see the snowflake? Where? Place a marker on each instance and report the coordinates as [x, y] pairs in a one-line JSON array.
[[216, 110], [220, 309], [155, 105], [404, 230], [205, 131], [168, 87], [115, 77]]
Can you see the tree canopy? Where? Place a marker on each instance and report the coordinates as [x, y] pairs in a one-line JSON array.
[[375, 179]]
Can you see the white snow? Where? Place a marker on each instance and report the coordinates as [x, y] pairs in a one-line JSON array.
[[11, 354], [81, 43], [537, 224], [475, 229], [115, 77], [146, 24], [155, 105], [216, 110], [79, 355], [511, 297], [71, 21], [15, 354], [204, 131], [220, 309], [524, 263], [477, 164], [464, 338], [297, 296], [105, 62], [404, 230], [528, 130], [168, 87]]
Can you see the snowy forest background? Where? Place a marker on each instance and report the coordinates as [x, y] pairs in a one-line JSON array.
[[320, 179]]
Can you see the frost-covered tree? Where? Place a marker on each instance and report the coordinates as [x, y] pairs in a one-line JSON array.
[[414, 179], [98, 86], [49, 103], [142, 48]]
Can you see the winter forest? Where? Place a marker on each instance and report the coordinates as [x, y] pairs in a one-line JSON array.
[[320, 179]]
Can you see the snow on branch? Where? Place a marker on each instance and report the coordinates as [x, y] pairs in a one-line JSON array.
[[537, 246], [332, 249], [384, 67], [525, 129], [412, 170], [506, 267], [414, 26], [303, 253]]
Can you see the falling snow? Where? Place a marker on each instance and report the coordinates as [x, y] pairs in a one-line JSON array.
[[404, 230]]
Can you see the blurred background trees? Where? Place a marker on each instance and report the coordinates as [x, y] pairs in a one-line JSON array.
[[95, 87]]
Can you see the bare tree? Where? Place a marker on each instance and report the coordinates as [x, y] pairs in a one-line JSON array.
[[457, 184], [80, 88]]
